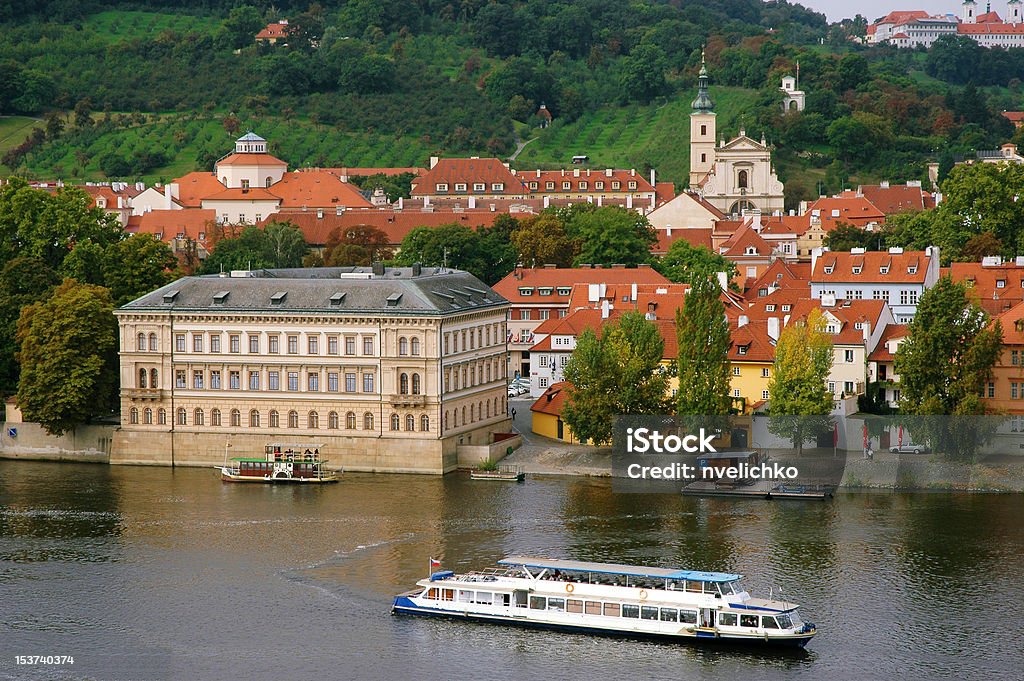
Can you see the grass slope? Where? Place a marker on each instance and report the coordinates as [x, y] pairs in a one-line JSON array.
[[115, 26], [13, 131], [635, 136]]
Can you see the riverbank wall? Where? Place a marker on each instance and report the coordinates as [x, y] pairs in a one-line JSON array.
[[85, 444]]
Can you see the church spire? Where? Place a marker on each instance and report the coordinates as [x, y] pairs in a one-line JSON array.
[[703, 102]]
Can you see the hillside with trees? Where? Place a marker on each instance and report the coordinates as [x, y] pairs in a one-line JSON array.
[[123, 92]]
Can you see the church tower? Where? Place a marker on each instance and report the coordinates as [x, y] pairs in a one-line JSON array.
[[970, 12], [702, 130], [1013, 12]]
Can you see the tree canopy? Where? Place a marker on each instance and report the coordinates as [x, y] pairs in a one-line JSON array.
[[684, 263], [280, 244], [484, 253], [703, 362]]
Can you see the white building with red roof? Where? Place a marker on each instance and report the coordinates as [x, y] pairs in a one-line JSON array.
[[895, 276], [273, 32], [917, 27]]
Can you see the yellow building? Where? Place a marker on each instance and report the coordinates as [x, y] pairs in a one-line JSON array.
[[547, 414], [751, 359]]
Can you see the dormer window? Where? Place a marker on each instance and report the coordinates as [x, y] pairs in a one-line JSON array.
[[769, 308], [564, 290], [567, 185], [599, 185], [1000, 283], [460, 186], [497, 187], [526, 290], [884, 269], [829, 269], [787, 308], [479, 187], [857, 269], [545, 290], [632, 185], [582, 184], [741, 349], [751, 250], [549, 185], [912, 269], [441, 188], [616, 184], [533, 185]]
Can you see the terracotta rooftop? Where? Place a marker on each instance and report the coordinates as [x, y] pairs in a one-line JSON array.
[[890, 333], [251, 160], [396, 224], [167, 225], [997, 288], [452, 171], [553, 400], [554, 278], [909, 267]]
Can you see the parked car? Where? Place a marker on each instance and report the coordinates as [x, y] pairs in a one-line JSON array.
[[909, 449]]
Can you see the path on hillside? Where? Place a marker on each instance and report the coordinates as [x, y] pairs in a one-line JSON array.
[[520, 145]]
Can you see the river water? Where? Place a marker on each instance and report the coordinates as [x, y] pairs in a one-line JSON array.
[[152, 573]]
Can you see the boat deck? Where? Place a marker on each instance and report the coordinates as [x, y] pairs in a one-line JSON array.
[[764, 489]]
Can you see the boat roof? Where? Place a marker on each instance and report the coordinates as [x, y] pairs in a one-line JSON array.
[[263, 459], [617, 569]]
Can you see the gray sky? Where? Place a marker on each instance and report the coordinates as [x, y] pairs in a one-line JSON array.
[[873, 9]]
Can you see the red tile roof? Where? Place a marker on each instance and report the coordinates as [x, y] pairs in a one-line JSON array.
[[273, 30], [317, 190], [664, 192], [901, 17], [452, 171], [743, 239], [849, 313], [854, 210], [195, 186], [985, 284], [245, 160], [892, 199], [1014, 116], [838, 266], [1012, 322], [243, 194], [694, 237], [990, 28], [365, 172], [194, 223], [751, 343], [784, 275], [988, 17], [536, 277], [553, 400], [590, 177], [396, 224], [665, 298], [577, 321], [890, 333]]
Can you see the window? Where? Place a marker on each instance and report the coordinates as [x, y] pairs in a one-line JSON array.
[[313, 420], [254, 419], [410, 422], [1015, 357], [524, 315], [313, 382], [332, 420], [648, 612], [1013, 391], [182, 417], [736, 392], [403, 346], [133, 415], [549, 185], [741, 179], [764, 394], [787, 308], [396, 422], [703, 129], [460, 186], [293, 419], [274, 344], [669, 615], [415, 384], [497, 187], [991, 389], [235, 380], [161, 416], [848, 356], [215, 380], [147, 416], [748, 620], [414, 346], [332, 345], [769, 308], [440, 188], [254, 344], [424, 423], [140, 343], [179, 378], [350, 420], [293, 381], [197, 343], [403, 384], [313, 345], [197, 380], [275, 419], [179, 342], [735, 371], [152, 342], [630, 611], [143, 376], [368, 421], [567, 185], [479, 187], [332, 381], [234, 343], [293, 345], [832, 387], [848, 387], [368, 346], [741, 349], [367, 383], [350, 382], [632, 184]]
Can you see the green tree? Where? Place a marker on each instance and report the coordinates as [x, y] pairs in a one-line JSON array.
[[241, 26], [618, 372], [459, 247], [800, 402], [542, 240], [610, 235], [246, 251], [137, 265], [846, 237], [285, 244], [357, 245], [23, 281], [68, 357], [703, 362], [685, 263], [643, 74], [944, 364]]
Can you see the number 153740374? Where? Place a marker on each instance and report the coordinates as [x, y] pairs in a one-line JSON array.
[[44, 659]]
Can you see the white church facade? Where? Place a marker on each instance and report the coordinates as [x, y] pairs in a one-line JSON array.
[[734, 176]]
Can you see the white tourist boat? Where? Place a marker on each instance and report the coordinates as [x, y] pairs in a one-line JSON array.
[[281, 463], [606, 598]]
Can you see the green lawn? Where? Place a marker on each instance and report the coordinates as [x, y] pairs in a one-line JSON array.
[[119, 25], [634, 136], [13, 131]]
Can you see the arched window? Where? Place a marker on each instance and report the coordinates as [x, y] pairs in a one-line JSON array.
[[332, 420], [415, 384], [313, 420], [741, 179], [464, 421], [142, 377], [496, 412], [415, 346], [424, 423], [198, 418], [269, 181], [133, 415], [161, 417], [254, 418], [403, 346], [488, 410], [153, 383], [368, 421], [275, 419], [182, 417], [410, 422], [445, 426], [293, 419], [215, 417], [236, 418], [395, 422], [141, 343], [472, 413], [147, 416], [350, 420], [455, 418], [403, 384]]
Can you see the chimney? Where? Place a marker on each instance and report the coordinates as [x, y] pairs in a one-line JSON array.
[[319, 213], [575, 172], [401, 199], [773, 328], [668, 230], [417, 269], [607, 172], [433, 161], [167, 197], [742, 321], [629, 200], [472, 202], [652, 177], [378, 269], [593, 293], [120, 202], [600, 200], [756, 220], [605, 308], [632, 292], [632, 172]]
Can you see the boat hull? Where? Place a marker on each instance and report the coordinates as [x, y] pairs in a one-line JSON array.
[[326, 479], [403, 605]]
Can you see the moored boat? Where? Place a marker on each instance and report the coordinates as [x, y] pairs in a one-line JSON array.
[[503, 473], [280, 463], [607, 598]]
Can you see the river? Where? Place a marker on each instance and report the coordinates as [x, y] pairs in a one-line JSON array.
[[154, 573]]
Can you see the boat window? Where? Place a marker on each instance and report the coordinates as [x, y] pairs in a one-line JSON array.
[[784, 621], [669, 615], [769, 622], [593, 608], [727, 619], [556, 604], [538, 602], [573, 605], [448, 595], [710, 588], [506, 599], [631, 611], [465, 596], [693, 587], [484, 597], [432, 594], [731, 587], [748, 620], [648, 613], [688, 616], [611, 609]]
